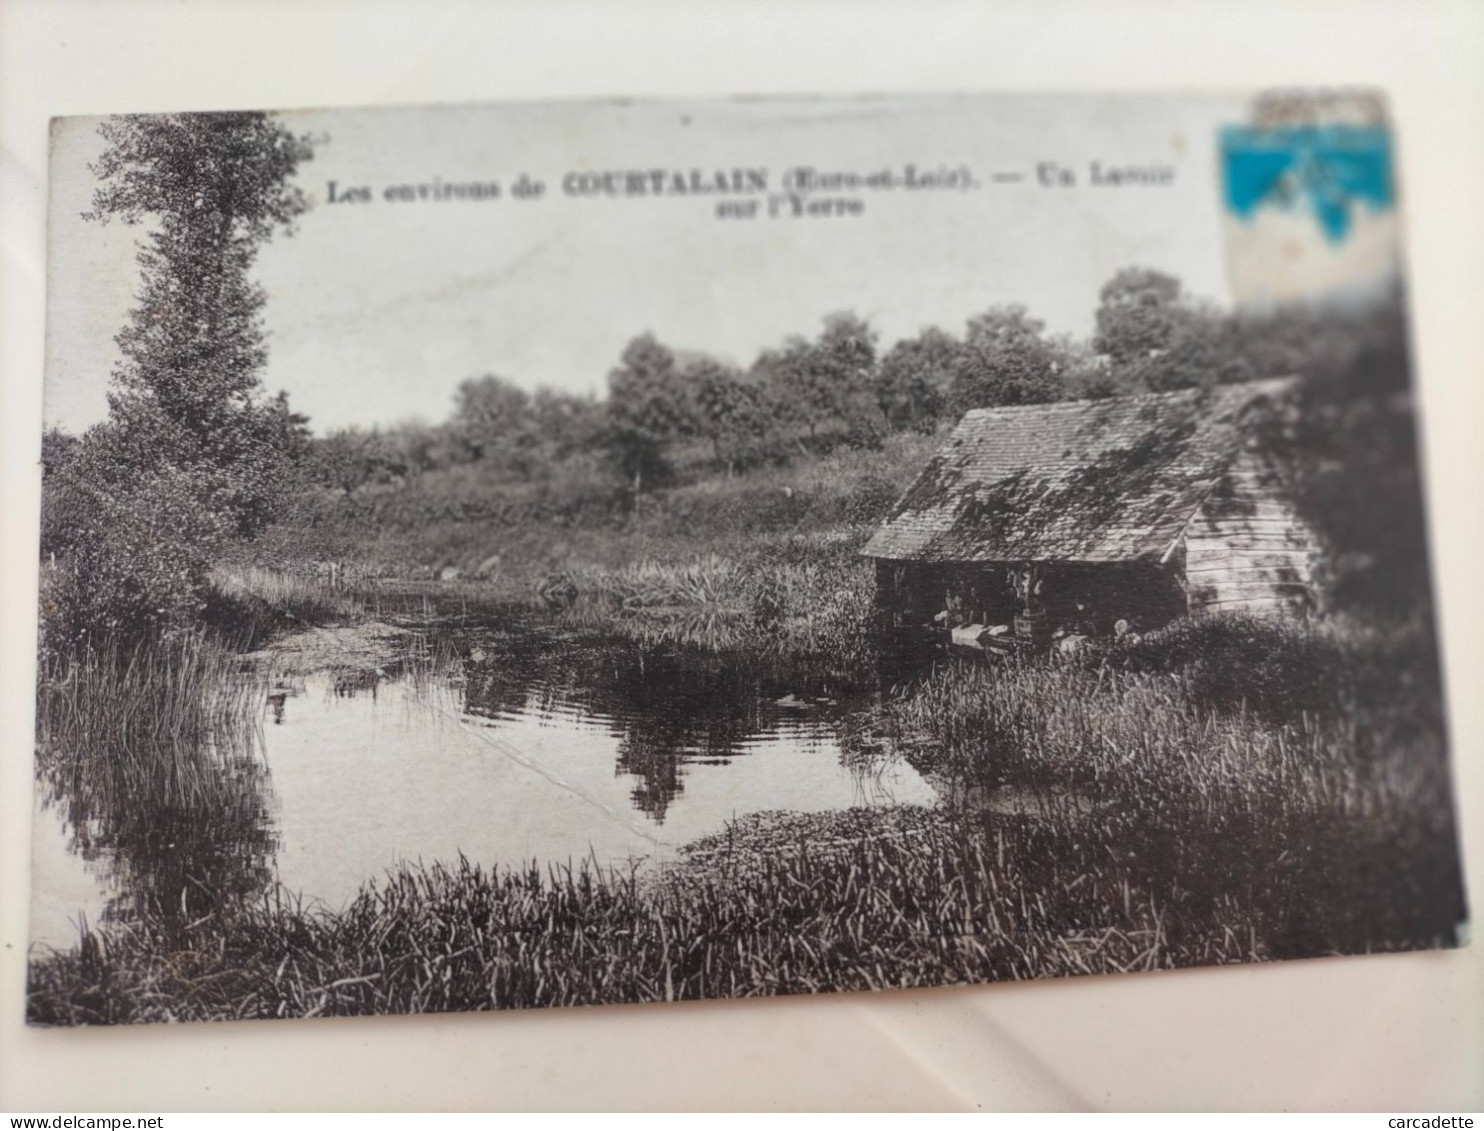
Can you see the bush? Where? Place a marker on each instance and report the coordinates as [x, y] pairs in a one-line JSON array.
[[1229, 661], [123, 563], [871, 498]]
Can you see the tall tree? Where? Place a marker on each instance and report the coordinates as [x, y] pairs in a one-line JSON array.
[[192, 453], [186, 398], [1151, 335], [843, 367], [780, 374]]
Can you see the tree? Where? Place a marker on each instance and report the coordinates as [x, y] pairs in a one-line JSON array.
[[845, 361], [780, 375], [842, 367], [911, 383], [419, 447], [1206, 348], [191, 453], [492, 418], [649, 410], [565, 425], [58, 448], [186, 393], [290, 429], [1345, 435], [1138, 312], [828, 380], [1155, 338], [729, 409], [351, 458], [1005, 360]]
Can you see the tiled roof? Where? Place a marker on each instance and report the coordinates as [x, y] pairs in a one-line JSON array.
[[1106, 480]]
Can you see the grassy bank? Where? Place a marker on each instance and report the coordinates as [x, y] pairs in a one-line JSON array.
[[804, 599], [767, 562], [940, 907], [507, 530]]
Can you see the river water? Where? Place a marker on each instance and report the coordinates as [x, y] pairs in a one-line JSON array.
[[552, 752]]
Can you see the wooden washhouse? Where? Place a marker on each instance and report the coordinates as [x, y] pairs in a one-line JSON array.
[[1075, 516]]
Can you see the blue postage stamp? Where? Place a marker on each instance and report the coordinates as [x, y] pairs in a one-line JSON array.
[[1329, 171]]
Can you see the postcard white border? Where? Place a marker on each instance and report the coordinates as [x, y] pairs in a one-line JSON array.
[[1392, 1032]]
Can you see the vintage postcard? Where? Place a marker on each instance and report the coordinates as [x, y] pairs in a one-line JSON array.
[[559, 554]]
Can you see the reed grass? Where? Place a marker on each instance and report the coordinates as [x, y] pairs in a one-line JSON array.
[[1330, 830], [151, 752], [880, 913], [953, 902], [260, 601], [772, 604], [129, 702]]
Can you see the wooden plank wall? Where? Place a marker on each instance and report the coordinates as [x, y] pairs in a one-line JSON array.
[[1247, 549]]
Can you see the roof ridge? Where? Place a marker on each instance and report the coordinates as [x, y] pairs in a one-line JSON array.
[[1258, 385]]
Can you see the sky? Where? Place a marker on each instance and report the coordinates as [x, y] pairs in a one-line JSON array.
[[377, 310]]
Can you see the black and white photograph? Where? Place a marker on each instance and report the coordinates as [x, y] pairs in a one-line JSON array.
[[508, 556]]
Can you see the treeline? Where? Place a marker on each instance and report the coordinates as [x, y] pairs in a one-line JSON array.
[[666, 408], [195, 460]]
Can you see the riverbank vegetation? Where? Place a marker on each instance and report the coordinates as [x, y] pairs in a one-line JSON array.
[[1098, 817]]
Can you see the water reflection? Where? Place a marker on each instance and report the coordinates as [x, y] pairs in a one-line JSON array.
[[668, 710], [177, 830], [516, 750]]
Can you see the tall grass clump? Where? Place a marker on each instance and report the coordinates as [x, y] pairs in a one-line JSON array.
[[149, 750], [1329, 831], [132, 699], [249, 604], [774, 603], [1227, 661]]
